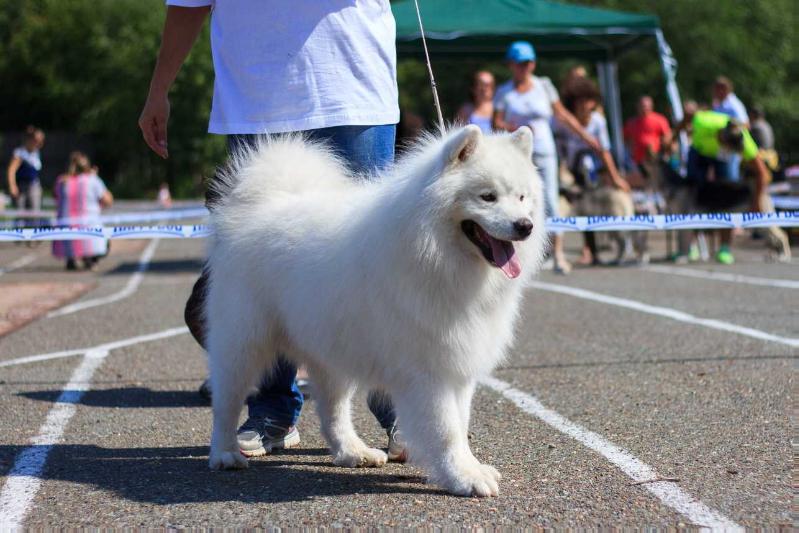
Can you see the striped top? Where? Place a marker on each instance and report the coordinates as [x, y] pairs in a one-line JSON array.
[[78, 202]]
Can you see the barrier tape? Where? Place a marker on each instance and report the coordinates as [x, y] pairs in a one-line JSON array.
[[594, 223], [785, 202], [120, 218]]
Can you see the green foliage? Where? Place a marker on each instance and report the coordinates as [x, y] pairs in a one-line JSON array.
[[753, 42], [84, 66]]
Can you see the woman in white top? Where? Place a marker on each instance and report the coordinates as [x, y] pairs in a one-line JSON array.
[[528, 100], [23, 171]]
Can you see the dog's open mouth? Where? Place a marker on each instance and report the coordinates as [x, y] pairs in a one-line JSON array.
[[499, 253]]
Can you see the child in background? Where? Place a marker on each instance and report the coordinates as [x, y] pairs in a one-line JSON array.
[[80, 194], [164, 196]]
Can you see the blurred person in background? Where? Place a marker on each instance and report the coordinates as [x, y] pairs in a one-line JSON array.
[[602, 189], [727, 102], [761, 130], [80, 195], [648, 140], [647, 135], [528, 100], [22, 174], [164, 196], [715, 137], [480, 109]]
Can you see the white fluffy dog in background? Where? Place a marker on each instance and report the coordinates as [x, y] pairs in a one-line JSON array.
[[410, 283]]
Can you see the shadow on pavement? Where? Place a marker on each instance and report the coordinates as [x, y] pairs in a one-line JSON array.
[[183, 265], [129, 397], [178, 475]]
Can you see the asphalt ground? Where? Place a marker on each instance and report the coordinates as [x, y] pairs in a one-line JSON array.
[[608, 412]]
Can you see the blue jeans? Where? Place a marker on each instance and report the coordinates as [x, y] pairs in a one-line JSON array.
[[366, 149]]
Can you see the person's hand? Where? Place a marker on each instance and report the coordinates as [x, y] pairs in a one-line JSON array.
[[13, 190], [622, 185], [153, 123]]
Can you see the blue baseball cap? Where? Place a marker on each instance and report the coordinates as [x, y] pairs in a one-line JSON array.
[[520, 51]]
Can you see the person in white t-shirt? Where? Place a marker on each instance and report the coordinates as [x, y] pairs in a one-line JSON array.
[[601, 190], [324, 68], [23, 170], [727, 102], [527, 100]]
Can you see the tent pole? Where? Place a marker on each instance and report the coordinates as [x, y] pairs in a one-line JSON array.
[[609, 83], [669, 65]]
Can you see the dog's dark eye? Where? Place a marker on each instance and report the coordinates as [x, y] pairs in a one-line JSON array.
[[488, 197], [521, 198]]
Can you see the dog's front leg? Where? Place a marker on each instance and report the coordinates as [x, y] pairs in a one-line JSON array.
[[333, 403], [435, 425], [234, 366]]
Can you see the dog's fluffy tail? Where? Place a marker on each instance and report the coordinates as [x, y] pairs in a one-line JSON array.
[[288, 164]]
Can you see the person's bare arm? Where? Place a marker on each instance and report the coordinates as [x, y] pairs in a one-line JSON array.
[[499, 124], [616, 181], [571, 122], [761, 179], [11, 175], [107, 199], [182, 26]]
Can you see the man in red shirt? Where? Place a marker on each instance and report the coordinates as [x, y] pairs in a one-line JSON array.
[[646, 133]]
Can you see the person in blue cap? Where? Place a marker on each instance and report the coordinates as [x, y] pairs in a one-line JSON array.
[[527, 100]]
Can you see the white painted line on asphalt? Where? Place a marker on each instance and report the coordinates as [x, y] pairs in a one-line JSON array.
[[24, 479], [723, 276], [19, 263], [103, 347], [667, 312], [130, 288], [668, 492]]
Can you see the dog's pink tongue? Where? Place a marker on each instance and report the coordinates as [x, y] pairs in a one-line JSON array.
[[510, 265]]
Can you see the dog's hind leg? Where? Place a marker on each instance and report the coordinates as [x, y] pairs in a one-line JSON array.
[[333, 402], [433, 423], [237, 363]]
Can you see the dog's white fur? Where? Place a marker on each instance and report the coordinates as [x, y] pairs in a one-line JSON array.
[[371, 283]]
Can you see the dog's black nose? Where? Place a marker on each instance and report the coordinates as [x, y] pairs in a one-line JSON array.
[[523, 227]]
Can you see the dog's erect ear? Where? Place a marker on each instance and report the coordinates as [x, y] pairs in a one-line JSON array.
[[463, 145], [523, 140]]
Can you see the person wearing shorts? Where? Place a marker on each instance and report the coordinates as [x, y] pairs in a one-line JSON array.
[[528, 100], [716, 137]]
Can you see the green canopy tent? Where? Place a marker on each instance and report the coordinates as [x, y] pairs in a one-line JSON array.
[[483, 28]]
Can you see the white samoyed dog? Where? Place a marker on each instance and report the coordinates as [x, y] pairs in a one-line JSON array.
[[409, 282]]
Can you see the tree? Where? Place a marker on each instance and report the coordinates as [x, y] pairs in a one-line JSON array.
[[84, 66]]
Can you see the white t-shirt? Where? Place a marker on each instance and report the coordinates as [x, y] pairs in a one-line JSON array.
[[291, 66], [532, 108], [28, 171], [733, 107], [573, 144]]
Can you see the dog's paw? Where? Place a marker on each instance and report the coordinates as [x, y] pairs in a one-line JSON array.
[[361, 458], [225, 460], [491, 471], [471, 479]]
